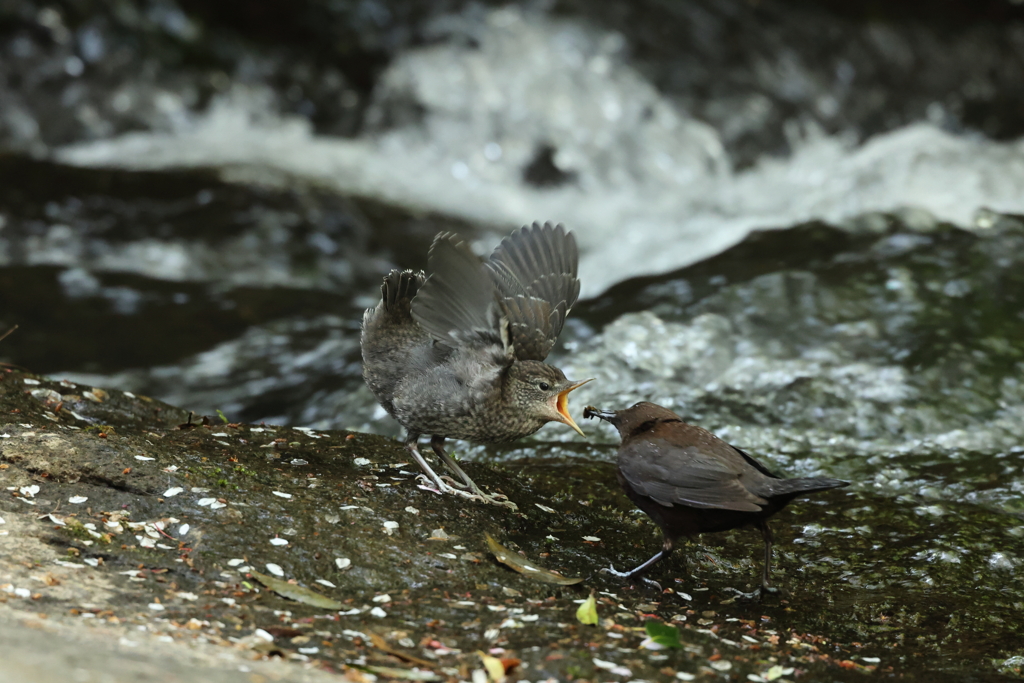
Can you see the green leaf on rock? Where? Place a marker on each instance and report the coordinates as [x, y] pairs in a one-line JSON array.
[[587, 612], [294, 592], [662, 634]]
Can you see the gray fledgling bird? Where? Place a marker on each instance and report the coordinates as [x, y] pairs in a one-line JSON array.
[[691, 482], [459, 354]]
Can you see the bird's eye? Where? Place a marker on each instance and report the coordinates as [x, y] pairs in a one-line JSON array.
[[544, 386]]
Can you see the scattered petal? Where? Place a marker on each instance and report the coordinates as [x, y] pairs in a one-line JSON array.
[[260, 633], [438, 535], [545, 508], [389, 527], [378, 612], [720, 665], [325, 582], [342, 562], [143, 457], [411, 510], [29, 491], [78, 500], [235, 562], [30, 382], [591, 539], [612, 666], [156, 607], [217, 505], [275, 569], [281, 494], [183, 529], [361, 462], [171, 492], [384, 597], [278, 541], [684, 676]]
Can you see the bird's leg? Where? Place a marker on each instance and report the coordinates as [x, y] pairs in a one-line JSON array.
[[412, 446], [437, 444], [475, 492], [766, 587], [766, 534], [666, 550]]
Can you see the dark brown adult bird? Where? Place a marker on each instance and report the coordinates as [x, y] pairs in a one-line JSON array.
[[458, 353], [691, 482]]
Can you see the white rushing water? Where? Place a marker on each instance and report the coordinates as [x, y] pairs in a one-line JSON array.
[[649, 189]]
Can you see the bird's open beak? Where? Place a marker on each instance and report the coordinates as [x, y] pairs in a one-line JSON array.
[[607, 415], [562, 405]]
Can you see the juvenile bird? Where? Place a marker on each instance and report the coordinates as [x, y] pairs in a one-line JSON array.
[[457, 354], [691, 482]]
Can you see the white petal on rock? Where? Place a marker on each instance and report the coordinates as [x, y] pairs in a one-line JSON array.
[[545, 508], [382, 598], [70, 565], [183, 529], [203, 502], [235, 562], [308, 650], [30, 382], [156, 607], [361, 461], [185, 595], [592, 539], [23, 592], [92, 561], [411, 510], [342, 562], [390, 527], [198, 489], [325, 582], [171, 492], [274, 569], [281, 494], [684, 676], [143, 457], [349, 613], [147, 542], [260, 633], [278, 541], [171, 468], [449, 556], [29, 491], [2, 521], [378, 612], [612, 666], [720, 665]]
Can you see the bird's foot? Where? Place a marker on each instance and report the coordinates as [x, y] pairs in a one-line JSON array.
[[610, 569], [440, 487], [455, 483], [756, 594]]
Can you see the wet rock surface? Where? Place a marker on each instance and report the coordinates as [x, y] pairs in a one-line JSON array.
[[120, 513]]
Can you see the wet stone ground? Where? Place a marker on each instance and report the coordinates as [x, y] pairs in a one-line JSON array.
[[118, 519]]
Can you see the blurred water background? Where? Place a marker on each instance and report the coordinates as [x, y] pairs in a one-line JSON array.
[[798, 220]]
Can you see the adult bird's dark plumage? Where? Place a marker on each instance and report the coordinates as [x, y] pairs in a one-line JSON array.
[[459, 354], [691, 482]]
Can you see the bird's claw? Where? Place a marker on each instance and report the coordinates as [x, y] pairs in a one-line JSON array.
[[615, 572], [440, 487], [454, 483], [756, 594]]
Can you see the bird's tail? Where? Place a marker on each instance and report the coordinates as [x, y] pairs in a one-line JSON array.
[[798, 487], [399, 287]]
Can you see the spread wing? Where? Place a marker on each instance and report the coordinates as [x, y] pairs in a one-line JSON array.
[[534, 270], [686, 476], [457, 304]]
